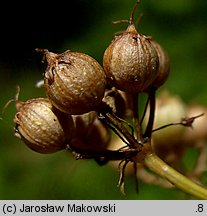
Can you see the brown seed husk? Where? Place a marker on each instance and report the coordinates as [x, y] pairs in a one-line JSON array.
[[39, 127], [74, 82], [130, 61], [164, 65]]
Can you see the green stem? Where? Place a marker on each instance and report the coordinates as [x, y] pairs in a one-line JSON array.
[[155, 164]]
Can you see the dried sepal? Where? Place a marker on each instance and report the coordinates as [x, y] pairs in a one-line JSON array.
[[90, 134]]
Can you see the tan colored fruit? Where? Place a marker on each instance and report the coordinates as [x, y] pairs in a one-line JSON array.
[[40, 128], [74, 82], [131, 61], [164, 66]]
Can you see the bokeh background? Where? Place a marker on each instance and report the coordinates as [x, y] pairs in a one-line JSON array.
[[180, 26]]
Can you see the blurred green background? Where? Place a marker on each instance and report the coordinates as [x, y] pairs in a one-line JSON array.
[[180, 26]]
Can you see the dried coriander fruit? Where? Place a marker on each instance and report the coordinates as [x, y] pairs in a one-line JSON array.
[[131, 61], [74, 82], [164, 66], [42, 128]]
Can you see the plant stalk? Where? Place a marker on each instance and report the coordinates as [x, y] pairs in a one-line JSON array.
[[155, 164], [148, 132]]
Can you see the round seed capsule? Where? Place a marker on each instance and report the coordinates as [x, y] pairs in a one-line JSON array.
[[74, 82], [164, 66], [131, 61], [41, 127]]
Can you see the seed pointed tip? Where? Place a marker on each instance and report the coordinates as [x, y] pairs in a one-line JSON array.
[[44, 51], [131, 28], [47, 55]]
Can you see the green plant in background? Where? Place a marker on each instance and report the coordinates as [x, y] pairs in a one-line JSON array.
[[78, 169]]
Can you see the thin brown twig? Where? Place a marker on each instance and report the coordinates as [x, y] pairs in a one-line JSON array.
[[148, 131], [186, 122]]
